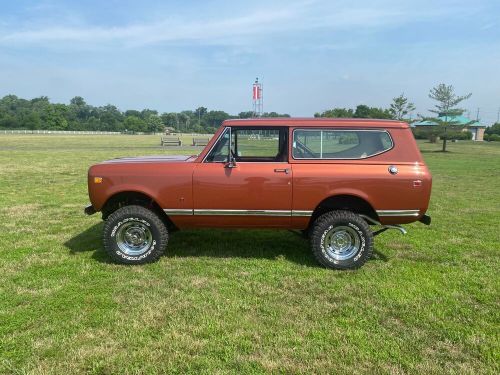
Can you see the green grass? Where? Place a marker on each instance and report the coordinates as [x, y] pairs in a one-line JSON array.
[[242, 301]]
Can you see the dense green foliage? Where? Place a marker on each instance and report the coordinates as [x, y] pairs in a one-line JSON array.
[[433, 132], [242, 302], [361, 111], [492, 133], [40, 113]]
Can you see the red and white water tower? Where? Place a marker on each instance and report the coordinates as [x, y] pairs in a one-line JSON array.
[[258, 98]]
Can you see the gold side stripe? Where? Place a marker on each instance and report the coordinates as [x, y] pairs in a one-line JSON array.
[[211, 212], [398, 212], [178, 211], [281, 213]]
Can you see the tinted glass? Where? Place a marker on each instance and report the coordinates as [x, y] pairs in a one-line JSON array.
[[339, 144]]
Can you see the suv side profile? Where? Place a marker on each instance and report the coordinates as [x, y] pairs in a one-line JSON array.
[[330, 178]]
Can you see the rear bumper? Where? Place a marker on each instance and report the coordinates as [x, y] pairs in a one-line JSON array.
[[426, 219], [89, 210]]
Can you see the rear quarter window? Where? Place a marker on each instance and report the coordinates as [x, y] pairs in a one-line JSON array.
[[339, 144]]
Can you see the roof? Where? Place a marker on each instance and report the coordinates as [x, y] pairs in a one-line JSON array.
[[316, 122], [458, 120]]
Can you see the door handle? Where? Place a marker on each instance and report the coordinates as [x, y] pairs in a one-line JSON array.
[[282, 170]]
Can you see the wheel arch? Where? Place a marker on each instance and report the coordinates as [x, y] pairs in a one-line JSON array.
[[349, 202], [133, 197]]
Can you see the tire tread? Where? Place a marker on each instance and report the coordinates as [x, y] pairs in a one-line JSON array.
[[134, 210], [342, 216]]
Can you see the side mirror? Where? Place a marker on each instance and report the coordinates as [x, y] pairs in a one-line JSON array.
[[232, 161]]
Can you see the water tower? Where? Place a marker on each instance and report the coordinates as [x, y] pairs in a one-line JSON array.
[[258, 98]]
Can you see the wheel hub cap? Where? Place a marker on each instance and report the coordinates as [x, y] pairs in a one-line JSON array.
[[341, 242], [134, 238]]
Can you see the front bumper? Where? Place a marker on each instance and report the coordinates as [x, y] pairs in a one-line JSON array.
[[89, 210]]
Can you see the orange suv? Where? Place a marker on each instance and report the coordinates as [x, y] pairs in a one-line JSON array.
[[330, 178]]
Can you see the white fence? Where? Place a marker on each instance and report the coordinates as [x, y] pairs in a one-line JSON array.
[[67, 132], [78, 132]]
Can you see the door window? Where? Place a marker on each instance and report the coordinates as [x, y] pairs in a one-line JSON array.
[[259, 144]]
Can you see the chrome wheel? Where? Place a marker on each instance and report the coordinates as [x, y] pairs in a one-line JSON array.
[[134, 238], [341, 242]]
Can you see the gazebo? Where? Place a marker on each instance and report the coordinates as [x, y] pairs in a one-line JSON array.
[[475, 127]]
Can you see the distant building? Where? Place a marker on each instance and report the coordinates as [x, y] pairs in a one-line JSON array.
[[476, 128]]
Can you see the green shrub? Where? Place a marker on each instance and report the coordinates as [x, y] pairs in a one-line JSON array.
[[494, 129], [494, 138], [463, 136], [419, 133]]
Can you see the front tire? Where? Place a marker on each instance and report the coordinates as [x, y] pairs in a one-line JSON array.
[[341, 240], [134, 235]]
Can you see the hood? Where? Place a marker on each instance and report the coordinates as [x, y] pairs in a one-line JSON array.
[[152, 159]]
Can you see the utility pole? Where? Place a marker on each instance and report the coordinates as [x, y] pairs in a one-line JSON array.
[[477, 114], [498, 116]]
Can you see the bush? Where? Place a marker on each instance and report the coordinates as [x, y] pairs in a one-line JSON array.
[[493, 138], [494, 129], [420, 133], [463, 136]]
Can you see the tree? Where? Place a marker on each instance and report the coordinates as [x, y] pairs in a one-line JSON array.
[[215, 118], [170, 120], [134, 124], [275, 114], [154, 124], [336, 113], [400, 107], [494, 129], [200, 111], [53, 117], [111, 118], [77, 101], [183, 120], [145, 113], [446, 107], [247, 114], [363, 111]]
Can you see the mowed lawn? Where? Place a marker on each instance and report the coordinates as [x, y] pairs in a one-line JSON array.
[[231, 301]]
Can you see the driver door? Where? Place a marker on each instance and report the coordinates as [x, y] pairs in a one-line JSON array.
[[245, 180]]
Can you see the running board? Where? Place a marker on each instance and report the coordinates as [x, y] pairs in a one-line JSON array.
[[384, 227]]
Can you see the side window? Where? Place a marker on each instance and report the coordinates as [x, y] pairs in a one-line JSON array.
[[258, 144], [339, 144], [220, 152]]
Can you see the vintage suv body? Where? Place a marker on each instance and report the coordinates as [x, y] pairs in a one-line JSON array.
[[330, 178]]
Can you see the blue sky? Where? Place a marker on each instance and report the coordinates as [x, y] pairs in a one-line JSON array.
[[311, 55]]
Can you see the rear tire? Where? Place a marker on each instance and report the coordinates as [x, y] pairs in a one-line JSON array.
[[134, 235], [341, 240]]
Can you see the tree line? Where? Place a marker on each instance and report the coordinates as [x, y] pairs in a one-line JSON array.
[[40, 114]]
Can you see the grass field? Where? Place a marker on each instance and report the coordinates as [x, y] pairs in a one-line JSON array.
[[242, 301]]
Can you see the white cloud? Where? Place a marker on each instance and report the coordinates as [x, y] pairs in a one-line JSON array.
[[229, 29]]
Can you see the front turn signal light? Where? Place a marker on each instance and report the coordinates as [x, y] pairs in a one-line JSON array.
[[97, 180]]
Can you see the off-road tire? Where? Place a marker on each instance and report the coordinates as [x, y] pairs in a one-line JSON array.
[[143, 218], [355, 225]]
